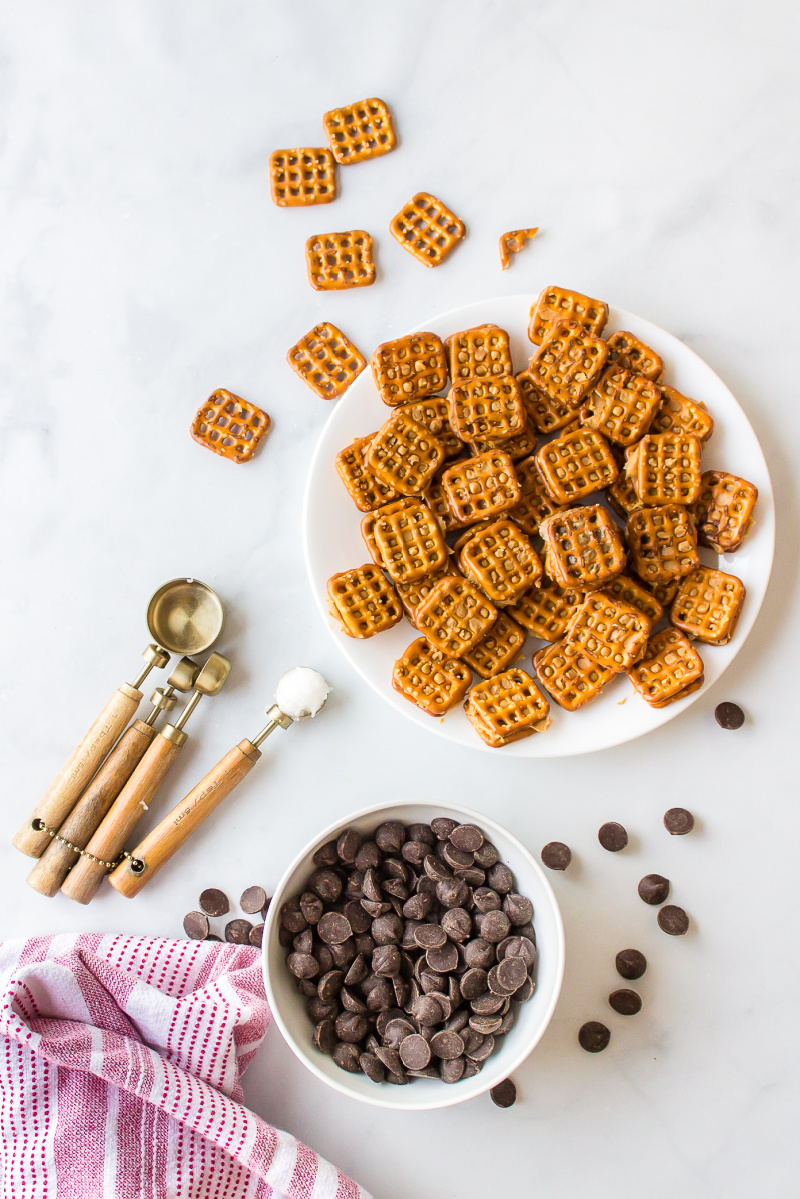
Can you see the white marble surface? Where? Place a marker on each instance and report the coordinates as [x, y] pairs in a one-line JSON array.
[[143, 264]]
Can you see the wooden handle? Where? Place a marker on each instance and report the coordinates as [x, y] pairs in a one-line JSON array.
[[85, 877], [176, 827], [62, 794], [58, 859]]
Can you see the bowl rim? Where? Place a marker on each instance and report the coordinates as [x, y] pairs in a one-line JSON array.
[[451, 1094]]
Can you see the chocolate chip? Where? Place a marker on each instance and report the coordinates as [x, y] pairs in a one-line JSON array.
[[466, 837], [518, 908], [457, 924], [256, 935], [253, 900], [318, 1009], [389, 836], [729, 715], [473, 983], [421, 832], [302, 965], [593, 1036], [387, 929], [479, 952], [678, 821], [326, 884], [518, 947], [195, 925], [238, 931], [526, 991], [427, 1010], [368, 856], [494, 926], [452, 893], [325, 1036], [304, 942], [214, 902], [504, 1094], [390, 1058], [556, 855], [487, 1004], [214, 937], [625, 1001], [292, 918], [612, 836], [347, 1057], [343, 954], [507, 976], [372, 1067], [310, 906], [654, 888], [351, 1027], [486, 856], [330, 985], [486, 900], [436, 869], [452, 1069], [348, 846], [386, 961], [447, 1045], [443, 826], [444, 959], [456, 858], [500, 878], [326, 855], [673, 920], [631, 963], [415, 1052]]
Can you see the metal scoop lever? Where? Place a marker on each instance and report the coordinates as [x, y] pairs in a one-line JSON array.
[[178, 825]]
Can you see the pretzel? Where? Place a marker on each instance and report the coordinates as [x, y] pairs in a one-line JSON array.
[[609, 630], [326, 360], [575, 465], [670, 670], [520, 446], [455, 616], [584, 546], [404, 454], [507, 707], [663, 543], [707, 605], [679, 414], [230, 426], [411, 543], [478, 353], [409, 368], [628, 353], [429, 678], [570, 675], [724, 510], [369, 521], [302, 176], [568, 363], [664, 593], [546, 609], [481, 487], [487, 408], [363, 602], [360, 131], [621, 405], [337, 261], [434, 414], [514, 241], [367, 491], [427, 229], [412, 593], [622, 495], [556, 304], [665, 469], [437, 500], [624, 588], [495, 652], [470, 532], [501, 561], [545, 414]]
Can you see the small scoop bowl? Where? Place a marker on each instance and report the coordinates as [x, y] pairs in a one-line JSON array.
[[185, 616]]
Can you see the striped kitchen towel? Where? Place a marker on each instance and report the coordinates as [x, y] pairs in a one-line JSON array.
[[120, 1075]]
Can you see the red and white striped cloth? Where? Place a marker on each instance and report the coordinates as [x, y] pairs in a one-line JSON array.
[[120, 1075]]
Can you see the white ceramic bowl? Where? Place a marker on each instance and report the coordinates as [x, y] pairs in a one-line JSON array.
[[288, 1007]]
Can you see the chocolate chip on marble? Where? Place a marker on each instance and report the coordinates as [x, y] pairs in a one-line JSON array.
[[729, 715], [625, 1001], [556, 855], [256, 935], [673, 920], [214, 937], [631, 963], [238, 931], [504, 1094], [253, 900], [653, 888], [612, 836], [593, 1036], [195, 925], [678, 821], [214, 902]]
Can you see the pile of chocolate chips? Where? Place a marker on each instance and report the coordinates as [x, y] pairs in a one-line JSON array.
[[410, 948]]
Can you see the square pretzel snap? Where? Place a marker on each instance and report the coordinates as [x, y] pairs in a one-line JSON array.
[[434, 414], [621, 405], [429, 678], [609, 630], [576, 464], [670, 670], [427, 229], [568, 363], [411, 543], [230, 426], [481, 487], [584, 547], [337, 261], [665, 469], [326, 360], [409, 368], [545, 414], [478, 353], [405, 454], [678, 414], [412, 593], [360, 131], [501, 561], [369, 522], [495, 652], [456, 615], [556, 304], [518, 447], [707, 605], [724, 510], [363, 602], [663, 543], [535, 505], [627, 353], [546, 609], [487, 408], [571, 677], [507, 708], [366, 490], [626, 589], [303, 176]]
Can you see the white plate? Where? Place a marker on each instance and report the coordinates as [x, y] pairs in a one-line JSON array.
[[333, 542]]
